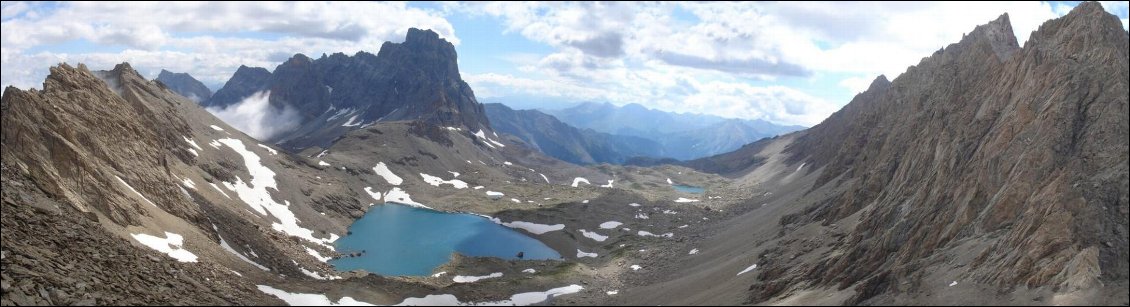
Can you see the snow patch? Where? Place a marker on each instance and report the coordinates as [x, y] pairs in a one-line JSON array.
[[269, 149], [609, 185], [374, 195], [218, 190], [352, 122], [610, 225], [439, 274], [228, 248], [634, 205], [685, 200], [188, 183], [669, 181], [172, 244], [193, 151], [382, 170], [579, 180], [636, 267], [468, 279], [533, 228], [529, 271], [508, 163], [801, 166], [649, 234], [494, 195], [516, 201], [544, 177], [693, 251], [436, 181], [641, 216], [454, 174], [134, 191], [750, 268], [256, 196], [191, 142], [613, 292], [309, 299], [520, 299], [214, 127], [954, 283], [396, 195], [593, 235], [316, 254], [323, 163], [315, 275], [581, 254]]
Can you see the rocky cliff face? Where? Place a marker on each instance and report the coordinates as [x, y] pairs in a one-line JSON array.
[[1017, 156], [414, 80], [185, 85]]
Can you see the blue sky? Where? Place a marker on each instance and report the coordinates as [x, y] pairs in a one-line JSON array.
[[789, 63]]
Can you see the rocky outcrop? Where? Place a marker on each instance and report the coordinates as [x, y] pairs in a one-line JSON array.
[[559, 140], [1019, 151], [185, 85], [97, 157], [245, 82], [415, 80]]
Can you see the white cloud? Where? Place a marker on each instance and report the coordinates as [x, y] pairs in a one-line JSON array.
[[256, 117], [702, 57], [207, 39], [694, 56]]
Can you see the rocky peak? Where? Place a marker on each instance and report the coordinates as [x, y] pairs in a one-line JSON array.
[[425, 50], [185, 85], [245, 82], [879, 83], [998, 34], [1086, 29]]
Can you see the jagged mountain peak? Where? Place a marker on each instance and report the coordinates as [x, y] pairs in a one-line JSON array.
[[417, 79], [879, 83], [1084, 30], [185, 85], [1000, 36]]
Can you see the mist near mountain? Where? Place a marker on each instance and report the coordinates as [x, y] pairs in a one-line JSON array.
[[256, 117]]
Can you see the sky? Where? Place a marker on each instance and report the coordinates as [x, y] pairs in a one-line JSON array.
[[789, 63]]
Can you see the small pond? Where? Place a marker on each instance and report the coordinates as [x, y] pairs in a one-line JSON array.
[[689, 189]]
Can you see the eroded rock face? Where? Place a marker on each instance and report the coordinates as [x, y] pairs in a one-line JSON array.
[[1023, 150], [83, 123], [414, 80]]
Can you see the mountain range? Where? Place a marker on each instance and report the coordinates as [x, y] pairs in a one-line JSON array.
[[988, 174], [562, 141], [682, 136]]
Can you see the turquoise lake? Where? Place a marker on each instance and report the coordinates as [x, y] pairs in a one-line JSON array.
[[689, 189], [400, 240]]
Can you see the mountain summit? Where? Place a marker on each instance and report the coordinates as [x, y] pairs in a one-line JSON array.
[[414, 80], [185, 85]]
